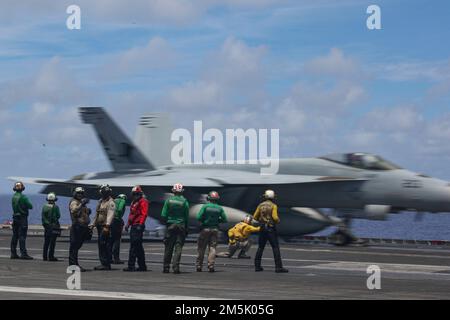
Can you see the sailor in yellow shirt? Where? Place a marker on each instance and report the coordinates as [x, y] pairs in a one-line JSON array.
[[267, 215], [239, 238]]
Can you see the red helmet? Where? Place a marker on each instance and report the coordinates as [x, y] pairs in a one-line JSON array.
[[213, 195], [136, 189], [177, 188]]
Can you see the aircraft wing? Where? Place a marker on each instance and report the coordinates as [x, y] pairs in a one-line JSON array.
[[213, 179], [122, 182]]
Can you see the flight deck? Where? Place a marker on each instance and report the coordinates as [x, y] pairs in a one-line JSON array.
[[317, 271]]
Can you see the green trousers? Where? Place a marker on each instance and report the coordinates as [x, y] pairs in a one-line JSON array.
[[173, 242]]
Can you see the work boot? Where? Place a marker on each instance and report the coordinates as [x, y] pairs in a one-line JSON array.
[[129, 269], [259, 269], [142, 269], [166, 270], [14, 256], [102, 268], [82, 269], [281, 270], [44, 258], [211, 269], [26, 257], [176, 270], [53, 259]]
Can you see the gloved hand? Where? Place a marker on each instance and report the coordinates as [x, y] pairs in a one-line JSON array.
[[84, 201]]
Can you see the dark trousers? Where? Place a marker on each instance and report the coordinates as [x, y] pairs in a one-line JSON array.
[[174, 242], [78, 234], [116, 236], [136, 247], [104, 246], [268, 234], [49, 242], [20, 229]]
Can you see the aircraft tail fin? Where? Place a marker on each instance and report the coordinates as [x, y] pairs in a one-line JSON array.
[[121, 152], [153, 138]]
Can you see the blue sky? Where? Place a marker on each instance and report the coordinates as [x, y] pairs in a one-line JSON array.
[[311, 68]]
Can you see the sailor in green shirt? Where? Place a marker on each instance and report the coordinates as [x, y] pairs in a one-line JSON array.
[[175, 213], [50, 221], [117, 227], [20, 205], [210, 216]]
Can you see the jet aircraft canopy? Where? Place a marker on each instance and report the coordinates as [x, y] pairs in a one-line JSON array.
[[361, 160]]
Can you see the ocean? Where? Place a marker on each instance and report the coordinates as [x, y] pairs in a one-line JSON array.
[[397, 226]]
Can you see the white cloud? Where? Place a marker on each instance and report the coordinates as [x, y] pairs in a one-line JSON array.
[[393, 119], [414, 70], [231, 75], [157, 54], [335, 64]]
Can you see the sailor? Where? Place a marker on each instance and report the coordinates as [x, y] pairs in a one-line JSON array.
[[136, 220], [104, 216], [267, 215], [50, 222], [210, 216], [175, 213], [79, 231], [238, 238], [117, 227], [20, 205]]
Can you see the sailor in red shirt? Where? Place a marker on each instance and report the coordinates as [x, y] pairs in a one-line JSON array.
[[136, 220]]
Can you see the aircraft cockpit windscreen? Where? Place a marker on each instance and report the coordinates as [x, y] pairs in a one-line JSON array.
[[361, 160]]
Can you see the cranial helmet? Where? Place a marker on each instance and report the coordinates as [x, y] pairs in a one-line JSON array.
[[52, 197], [19, 186], [213, 195], [269, 195], [177, 188]]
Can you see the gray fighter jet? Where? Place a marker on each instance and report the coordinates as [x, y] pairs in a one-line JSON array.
[[352, 185]]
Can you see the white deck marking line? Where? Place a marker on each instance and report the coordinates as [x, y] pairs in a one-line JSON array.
[[98, 294], [385, 267]]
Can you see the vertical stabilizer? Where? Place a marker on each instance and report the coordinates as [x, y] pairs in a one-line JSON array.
[[121, 152], [153, 138]]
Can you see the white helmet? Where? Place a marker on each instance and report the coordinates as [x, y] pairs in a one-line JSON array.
[[52, 197], [248, 219], [122, 196], [177, 188], [79, 190], [269, 194]]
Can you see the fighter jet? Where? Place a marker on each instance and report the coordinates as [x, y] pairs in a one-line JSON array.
[[352, 185]]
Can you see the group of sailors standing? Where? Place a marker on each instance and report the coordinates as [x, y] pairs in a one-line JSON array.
[[108, 221]]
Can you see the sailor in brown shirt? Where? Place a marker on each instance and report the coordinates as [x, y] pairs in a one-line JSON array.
[[104, 216], [267, 215], [79, 230]]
